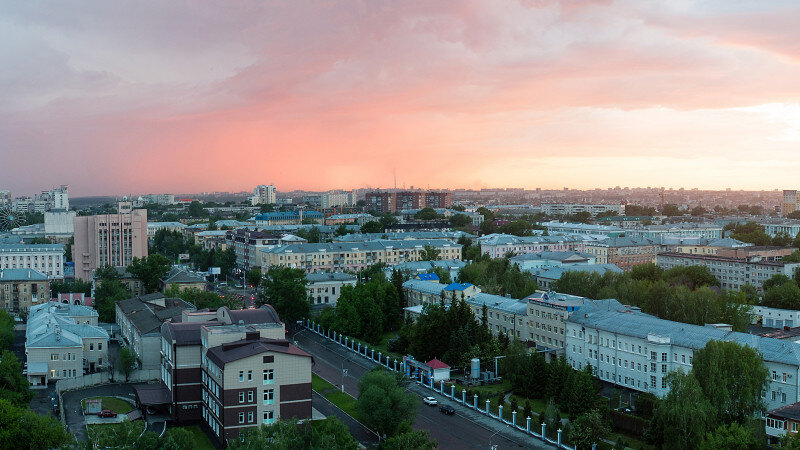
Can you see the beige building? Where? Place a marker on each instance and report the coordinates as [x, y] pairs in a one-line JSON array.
[[547, 316], [21, 289], [109, 239], [45, 258]]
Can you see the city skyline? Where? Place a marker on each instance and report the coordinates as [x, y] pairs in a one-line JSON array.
[[126, 97]]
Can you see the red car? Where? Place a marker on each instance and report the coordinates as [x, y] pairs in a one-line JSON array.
[[106, 413]]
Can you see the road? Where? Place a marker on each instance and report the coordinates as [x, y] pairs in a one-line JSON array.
[[465, 429]]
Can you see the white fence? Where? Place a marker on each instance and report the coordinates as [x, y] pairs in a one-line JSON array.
[[94, 379], [395, 365]]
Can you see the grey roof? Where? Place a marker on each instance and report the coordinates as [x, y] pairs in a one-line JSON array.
[[729, 243], [21, 275], [625, 241], [166, 225], [509, 305], [320, 277], [360, 246], [614, 317], [554, 273], [424, 266], [426, 287], [147, 316], [264, 314], [399, 236], [552, 256], [52, 324], [180, 275], [184, 333], [31, 248], [233, 351]]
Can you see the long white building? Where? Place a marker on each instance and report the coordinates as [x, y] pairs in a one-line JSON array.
[[631, 349], [45, 258]]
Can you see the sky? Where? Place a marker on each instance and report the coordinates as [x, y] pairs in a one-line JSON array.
[[186, 96]]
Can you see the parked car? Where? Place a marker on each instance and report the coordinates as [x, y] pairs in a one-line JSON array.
[[446, 409], [106, 413], [430, 401]]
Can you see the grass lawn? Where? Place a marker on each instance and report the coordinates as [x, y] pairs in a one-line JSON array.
[[117, 405], [201, 441], [342, 400], [631, 441]]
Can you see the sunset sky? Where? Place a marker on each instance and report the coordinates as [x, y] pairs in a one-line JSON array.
[[116, 97]]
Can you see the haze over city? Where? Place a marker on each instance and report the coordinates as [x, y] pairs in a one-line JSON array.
[[116, 97]]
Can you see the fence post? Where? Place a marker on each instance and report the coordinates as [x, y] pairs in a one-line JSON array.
[[475, 402], [453, 391], [463, 397], [544, 427], [488, 405], [372, 354], [514, 418], [359, 348], [559, 437], [500, 412], [395, 365], [528, 425]]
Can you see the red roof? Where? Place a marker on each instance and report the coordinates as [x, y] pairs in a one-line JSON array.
[[436, 364]]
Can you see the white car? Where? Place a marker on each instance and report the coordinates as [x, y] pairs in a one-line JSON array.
[[430, 401]]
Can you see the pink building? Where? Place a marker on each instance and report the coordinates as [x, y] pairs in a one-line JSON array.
[[109, 239], [74, 298]]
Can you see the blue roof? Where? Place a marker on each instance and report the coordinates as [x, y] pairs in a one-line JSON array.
[[457, 286], [428, 277]]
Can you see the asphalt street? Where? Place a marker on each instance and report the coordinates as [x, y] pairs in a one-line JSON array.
[[462, 430]]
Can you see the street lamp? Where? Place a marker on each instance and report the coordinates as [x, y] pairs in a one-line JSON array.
[[344, 371]]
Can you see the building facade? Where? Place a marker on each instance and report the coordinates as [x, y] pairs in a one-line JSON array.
[[790, 202], [263, 195], [247, 245], [324, 288], [732, 273], [22, 289], [566, 209], [45, 258], [109, 239], [289, 218]]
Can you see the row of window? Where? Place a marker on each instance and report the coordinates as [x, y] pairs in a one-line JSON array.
[[269, 396]]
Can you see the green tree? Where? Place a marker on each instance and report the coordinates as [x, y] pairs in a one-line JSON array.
[[459, 220], [285, 289], [731, 377], [429, 253], [443, 274], [150, 270], [77, 286], [427, 214], [331, 433], [785, 296], [698, 211], [581, 392], [23, 428], [782, 239], [383, 405], [196, 210], [106, 297], [253, 276], [589, 428], [127, 359], [776, 280], [517, 228], [106, 273], [682, 418], [6, 330], [414, 439], [177, 439], [671, 210], [14, 386], [730, 436], [202, 299], [794, 257], [341, 230], [372, 227]]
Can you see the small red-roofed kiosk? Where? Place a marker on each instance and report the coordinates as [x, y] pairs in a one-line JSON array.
[[440, 370]]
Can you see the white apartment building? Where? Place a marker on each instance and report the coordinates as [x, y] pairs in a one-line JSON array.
[[566, 209], [732, 273], [324, 288], [45, 258], [630, 349], [263, 195]]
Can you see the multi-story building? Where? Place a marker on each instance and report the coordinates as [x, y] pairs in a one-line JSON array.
[[127, 279], [63, 341], [499, 245], [764, 252], [45, 258], [566, 209], [409, 200], [533, 261], [547, 276], [732, 273], [790, 202], [5, 198], [636, 351], [247, 244], [263, 195], [324, 288], [158, 199], [775, 317], [782, 421], [790, 227], [109, 239], [289, 218], [547, 316], [182, 278], [330, 199], [380, 201], [702, 230], [624, 252], [355, 256], [59, 225], [555, 226], [438, 199], [356, 218], [140, 318], [22, 289], [56, 199], [211, 239]]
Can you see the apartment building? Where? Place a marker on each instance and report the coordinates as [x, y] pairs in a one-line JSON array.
[[702, 230], [782, 421], [356, 218], [109, 239], [790, 202], [324, 288], [140, 318], [127, 279], [624, 252], [566, 209], [389, 202], [555, 226], [183, 279], [45, 258], [63, 341], [636, 351], [264, 194], [732, 273], [436, 200], [22, 289], [289, 218], [247, 244], [381, 202], [330, 199], [155, 227], [340, 256], [211, 239]]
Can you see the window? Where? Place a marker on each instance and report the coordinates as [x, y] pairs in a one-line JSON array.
[[269, 417], [241, 375], [250, 417], [683, 359], [99, 345], [54, 357], [250, 397], [241, 397], [663, 368], [91, 346], [269, 396], [241, 417], [249, 375], [783, 397], [269, 376], [663, 357], [663, 383]]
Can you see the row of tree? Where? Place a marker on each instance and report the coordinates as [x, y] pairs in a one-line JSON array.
[[366, 310], [682, 294], [498, 276], [172, 243], [754, 233]]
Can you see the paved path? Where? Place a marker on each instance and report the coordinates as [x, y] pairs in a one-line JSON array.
[[72, 404], [465, 429]]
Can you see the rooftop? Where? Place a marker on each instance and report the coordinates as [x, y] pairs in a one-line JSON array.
[[148, 312], [234, 351], [21, 275], [320, 277]]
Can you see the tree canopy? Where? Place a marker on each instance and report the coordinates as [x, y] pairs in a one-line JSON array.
[[384, 405], [285, 289], [150, 270]]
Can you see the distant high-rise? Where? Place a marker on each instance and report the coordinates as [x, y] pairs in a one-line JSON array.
[[263, 195], [109, 239], [790, 200]]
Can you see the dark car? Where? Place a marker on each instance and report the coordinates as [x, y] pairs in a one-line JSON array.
[[445, 409], [106, 413]]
